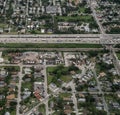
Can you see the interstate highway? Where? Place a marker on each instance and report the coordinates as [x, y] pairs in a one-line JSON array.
[[64, 38]]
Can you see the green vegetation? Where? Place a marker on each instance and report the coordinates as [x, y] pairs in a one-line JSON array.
[[118, 55], [115, 30], [103, 67], [90, 106], [49, 45], [66, 95], [112, 98], [12, 68], [60, 73], [86, 18], [66, 78], [26, 85], [42, 109], [29, 102]]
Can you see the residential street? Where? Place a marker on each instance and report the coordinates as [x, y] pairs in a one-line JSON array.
[[101, 92]]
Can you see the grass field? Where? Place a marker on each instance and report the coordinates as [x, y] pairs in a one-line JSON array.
[[65, 78], [118, 55], [42, 109], [86, 18], [49, 45], [67, 95], [27, 85]]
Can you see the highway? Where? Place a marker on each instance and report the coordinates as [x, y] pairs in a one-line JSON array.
[[64, 38]]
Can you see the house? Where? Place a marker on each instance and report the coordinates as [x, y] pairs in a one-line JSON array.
[[27, 70], [10, 97], [67, 99], [26, 94], [1, 30], [49, 31], [102, 74], [53, 87], [51, 104], [42, 31], [38, 75], [1, 60], [3, 73], [39, 90], [116, 105], [2, 84], [82, 100], [38, 68], [39, 87], [67, 109], [22, 31], [51, 9], [30, 57], [7, 113], [99, 105], [37, 95], [2, 97]]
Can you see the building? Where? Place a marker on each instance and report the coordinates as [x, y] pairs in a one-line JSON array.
[[51, 9]]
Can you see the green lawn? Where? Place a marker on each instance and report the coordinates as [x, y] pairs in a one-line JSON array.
[[13, 112], [67, 95], [27, 85], [12, 68], [97, 68], [50, 69], [60, 73], [81, 9], [118, 55], [2, 25], [49, 79], [49, 45], [42, 109], [66, 78], [86, 18]]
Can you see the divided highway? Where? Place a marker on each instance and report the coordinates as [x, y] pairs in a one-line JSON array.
[[65, 38]]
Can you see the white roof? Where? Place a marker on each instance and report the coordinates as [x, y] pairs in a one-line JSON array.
[[7, 113], [1, 60]]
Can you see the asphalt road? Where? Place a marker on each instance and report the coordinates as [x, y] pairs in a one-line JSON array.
[[101, 92], [56, 38]]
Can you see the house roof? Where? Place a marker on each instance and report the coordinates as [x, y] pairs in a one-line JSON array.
[[11, 96]]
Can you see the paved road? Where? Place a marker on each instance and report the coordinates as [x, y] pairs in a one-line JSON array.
[[19, 90], [29, 112], [101, 92], [55, 38], [74, 98], [116, 61], [50, 39], [92, 5], [45, 87]]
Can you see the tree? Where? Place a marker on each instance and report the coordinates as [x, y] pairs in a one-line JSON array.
[[12, 103], [73, 68]]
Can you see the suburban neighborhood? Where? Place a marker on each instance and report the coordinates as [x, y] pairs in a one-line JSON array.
[[58, 83], [59, 57], [46, 16]]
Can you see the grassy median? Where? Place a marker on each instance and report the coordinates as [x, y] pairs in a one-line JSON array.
[[49, 45]]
